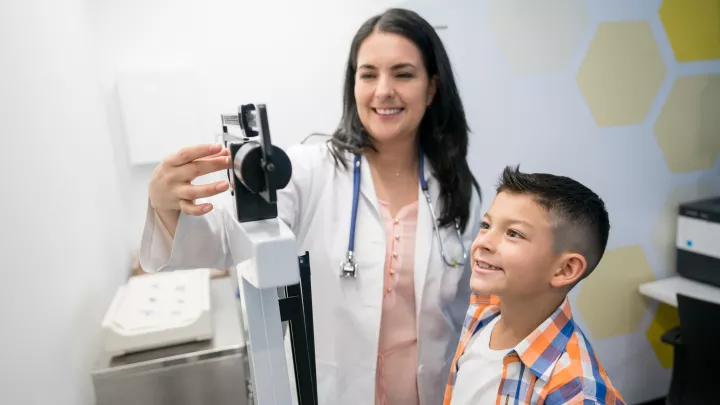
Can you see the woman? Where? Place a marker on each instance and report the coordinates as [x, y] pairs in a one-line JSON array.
[[388, 335]]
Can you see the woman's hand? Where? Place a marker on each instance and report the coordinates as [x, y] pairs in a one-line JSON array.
[[171, 191]]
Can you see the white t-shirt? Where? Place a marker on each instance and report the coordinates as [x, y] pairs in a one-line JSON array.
[[480, 370]]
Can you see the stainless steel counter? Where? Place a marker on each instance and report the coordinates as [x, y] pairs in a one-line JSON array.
[[209, 372]]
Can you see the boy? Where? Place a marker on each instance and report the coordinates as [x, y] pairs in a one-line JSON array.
[[541, 236]]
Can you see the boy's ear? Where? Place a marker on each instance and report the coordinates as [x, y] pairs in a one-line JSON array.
[[571, 268]]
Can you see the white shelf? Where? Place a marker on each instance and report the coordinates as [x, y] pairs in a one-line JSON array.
[[666, 290]]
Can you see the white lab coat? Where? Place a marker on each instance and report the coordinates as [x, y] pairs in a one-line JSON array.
[[317, 205]]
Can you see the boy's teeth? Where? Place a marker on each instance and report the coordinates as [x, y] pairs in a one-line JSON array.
[[487, 266]]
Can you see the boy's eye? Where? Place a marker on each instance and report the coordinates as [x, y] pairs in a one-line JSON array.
[[484, 225], [405, 75], [514, 234]]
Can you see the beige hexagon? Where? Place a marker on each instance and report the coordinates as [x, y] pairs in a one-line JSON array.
[[665, 227], [608, 300], [693, 28], [666, 318], [688, 128], [538, 36], [621, 73]]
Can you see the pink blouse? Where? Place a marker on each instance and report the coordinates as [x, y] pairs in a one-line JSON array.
[[396, 377]]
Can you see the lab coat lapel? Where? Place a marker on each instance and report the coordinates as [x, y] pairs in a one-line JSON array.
[[424, 235], [367, 189]]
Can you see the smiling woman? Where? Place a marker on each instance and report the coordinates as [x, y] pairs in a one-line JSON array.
[[387, 321], [400, 93], [392, 87]]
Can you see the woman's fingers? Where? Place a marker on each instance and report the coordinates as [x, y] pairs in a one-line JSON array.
[[192, 192], [208, 166], [191, 153], [172, 185], [202, 167], [223, 152], [190, 208], [189, 193]]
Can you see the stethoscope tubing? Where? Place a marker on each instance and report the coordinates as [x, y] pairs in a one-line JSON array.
[[423, 185]]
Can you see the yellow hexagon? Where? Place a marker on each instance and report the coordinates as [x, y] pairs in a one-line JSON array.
[[665, 227], [608, 300], [693, 28], [621, 73], [688, 128], [666, 318], [538, 36]]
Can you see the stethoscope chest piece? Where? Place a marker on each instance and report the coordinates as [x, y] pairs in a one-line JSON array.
[[348, 268]]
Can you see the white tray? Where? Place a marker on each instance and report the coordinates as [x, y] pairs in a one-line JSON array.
[[158, 310]]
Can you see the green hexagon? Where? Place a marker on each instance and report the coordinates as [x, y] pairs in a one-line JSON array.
[[608, 300], [693, 28], [621, 73], [666, 318], [538, 36], [688, 128]]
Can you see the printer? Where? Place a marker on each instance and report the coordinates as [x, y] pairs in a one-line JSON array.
[[698, 241]]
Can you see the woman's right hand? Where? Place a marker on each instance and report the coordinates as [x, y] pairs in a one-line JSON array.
[[171, 191]]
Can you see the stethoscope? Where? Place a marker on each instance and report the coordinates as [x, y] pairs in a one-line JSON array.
[[348, 268]]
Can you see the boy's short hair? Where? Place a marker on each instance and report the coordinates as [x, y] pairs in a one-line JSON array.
[[578, 216]]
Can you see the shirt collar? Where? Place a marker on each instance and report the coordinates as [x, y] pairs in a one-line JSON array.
[[483, 300], [544, 346]]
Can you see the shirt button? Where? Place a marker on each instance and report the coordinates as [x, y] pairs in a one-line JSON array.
[[394, 254], [392, 272], [397, 237], [389, 289], [396, 220], [420, 369]]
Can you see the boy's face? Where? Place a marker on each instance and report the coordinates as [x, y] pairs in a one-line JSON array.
[[513, 252]]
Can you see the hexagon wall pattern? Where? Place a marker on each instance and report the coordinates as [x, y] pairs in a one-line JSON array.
[[538, 36], [665, 226], [624, 70], [608, 300], [666, 318], [688, 128], [693, 28], [621, 73]]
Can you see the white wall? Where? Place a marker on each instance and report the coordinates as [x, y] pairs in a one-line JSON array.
[[285, 53], [64, 243]]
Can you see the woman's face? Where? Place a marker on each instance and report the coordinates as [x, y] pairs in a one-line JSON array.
[[392, 88]]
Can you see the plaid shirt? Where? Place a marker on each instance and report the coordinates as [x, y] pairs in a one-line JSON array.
[[554, 365]]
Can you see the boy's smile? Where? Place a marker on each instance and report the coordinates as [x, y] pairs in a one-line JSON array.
[[481, 266]]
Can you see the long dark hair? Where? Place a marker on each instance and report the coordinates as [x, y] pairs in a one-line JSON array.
[[443, 131]]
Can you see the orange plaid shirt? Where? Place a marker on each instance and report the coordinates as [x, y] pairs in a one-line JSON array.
[[554, 365]]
